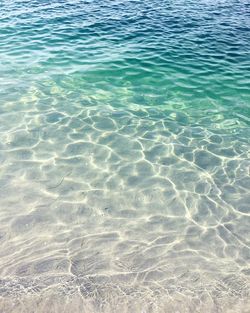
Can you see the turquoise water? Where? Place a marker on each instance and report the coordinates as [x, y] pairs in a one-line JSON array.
[[124, 149]]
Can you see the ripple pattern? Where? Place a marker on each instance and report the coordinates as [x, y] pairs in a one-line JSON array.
[[124, 150]]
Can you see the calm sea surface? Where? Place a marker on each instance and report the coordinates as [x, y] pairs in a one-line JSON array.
[[124, 156]]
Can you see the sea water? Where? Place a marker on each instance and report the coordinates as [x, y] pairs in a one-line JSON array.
[[124, 152]]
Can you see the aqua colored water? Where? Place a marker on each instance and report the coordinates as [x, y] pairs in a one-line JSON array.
[[124, 150]]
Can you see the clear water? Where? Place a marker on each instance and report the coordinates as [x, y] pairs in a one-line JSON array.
[[124, 149]]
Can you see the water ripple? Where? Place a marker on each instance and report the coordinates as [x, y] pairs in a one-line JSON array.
[[124, 150]]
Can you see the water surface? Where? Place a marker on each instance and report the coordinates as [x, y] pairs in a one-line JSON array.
[[124, 150]]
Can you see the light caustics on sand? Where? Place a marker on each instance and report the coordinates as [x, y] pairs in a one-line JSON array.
[[124, 150]]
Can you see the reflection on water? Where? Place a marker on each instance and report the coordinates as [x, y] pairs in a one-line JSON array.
[[124, 149]]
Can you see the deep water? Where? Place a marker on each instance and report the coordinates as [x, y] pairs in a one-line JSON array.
[[124, 156]]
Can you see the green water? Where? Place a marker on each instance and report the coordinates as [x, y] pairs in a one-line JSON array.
[[124, 150]]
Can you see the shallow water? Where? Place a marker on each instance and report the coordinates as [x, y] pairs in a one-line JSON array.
[[124, 149]]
